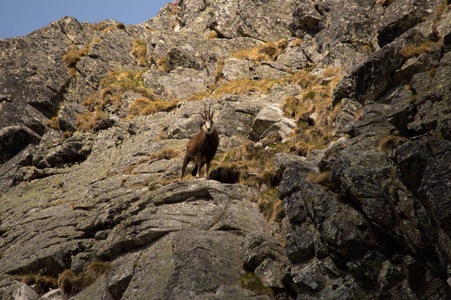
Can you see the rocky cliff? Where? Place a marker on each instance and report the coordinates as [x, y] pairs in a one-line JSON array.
[[332, 178]]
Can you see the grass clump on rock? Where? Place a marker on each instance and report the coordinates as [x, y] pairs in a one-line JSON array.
[[167, 154], [253, 166], [109, 97], [144, 106], [237, 87], [390, 142], [312, 109], [112, 88], [247, 164], [88, 120], [412, 50], [73, 56], [41, 283], [163, 65], [270, 206], [139, 50], [268, 51], [73, 284]]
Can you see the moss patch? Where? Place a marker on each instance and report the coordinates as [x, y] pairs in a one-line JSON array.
[[251, 282]]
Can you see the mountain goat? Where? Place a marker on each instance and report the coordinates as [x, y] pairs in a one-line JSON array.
[[202, 147]]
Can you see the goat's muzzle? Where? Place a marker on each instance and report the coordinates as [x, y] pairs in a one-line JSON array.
[[208, 127]]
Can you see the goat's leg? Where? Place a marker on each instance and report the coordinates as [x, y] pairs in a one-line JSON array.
[[194, 171], [207, 166], [186, 160], [199, 164]]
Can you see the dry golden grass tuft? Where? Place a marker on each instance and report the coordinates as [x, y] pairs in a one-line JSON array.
[[88, 120], [290, 106], [140, 107], [139, 50], [411, 51], [322, 178], [268, 51], [296, 42], [270, 206], [144, 106], [199, 96], [29, 279], [236, 87], [72, 284], [162, 133], [97, 268], [151, 186], [303, 78], [219, 75], [294, 146], [163, 65], [213, 34], [131, 168], [167, 154], [42, 284], [73, 56], [66, 134], [112, 88], [247, 164], [390, 142], [173, 8], [109, 28], [244, 86], [412, 98], [67, 280], [312, 109], [53, 123], [105, 26], [264, 86]]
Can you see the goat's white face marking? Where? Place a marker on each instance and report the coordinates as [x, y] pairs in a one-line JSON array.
[[208, 126]]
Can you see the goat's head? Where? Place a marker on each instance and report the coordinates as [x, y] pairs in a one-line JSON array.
[[207, 124]]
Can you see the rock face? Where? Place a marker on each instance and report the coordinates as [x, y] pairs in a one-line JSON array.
[[94, 119]]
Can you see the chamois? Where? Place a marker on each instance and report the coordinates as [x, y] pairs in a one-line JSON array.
[[202, 147]]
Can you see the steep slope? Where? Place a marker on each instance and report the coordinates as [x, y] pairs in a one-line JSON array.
[[332, 178]]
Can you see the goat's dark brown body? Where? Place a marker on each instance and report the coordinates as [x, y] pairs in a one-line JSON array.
[[202, 147]]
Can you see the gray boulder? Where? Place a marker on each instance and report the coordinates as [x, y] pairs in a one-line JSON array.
[[12, 289], [234, 19], [186, 264], [177, 84]]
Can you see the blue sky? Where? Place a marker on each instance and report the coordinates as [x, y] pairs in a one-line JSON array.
[[20, 17]]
